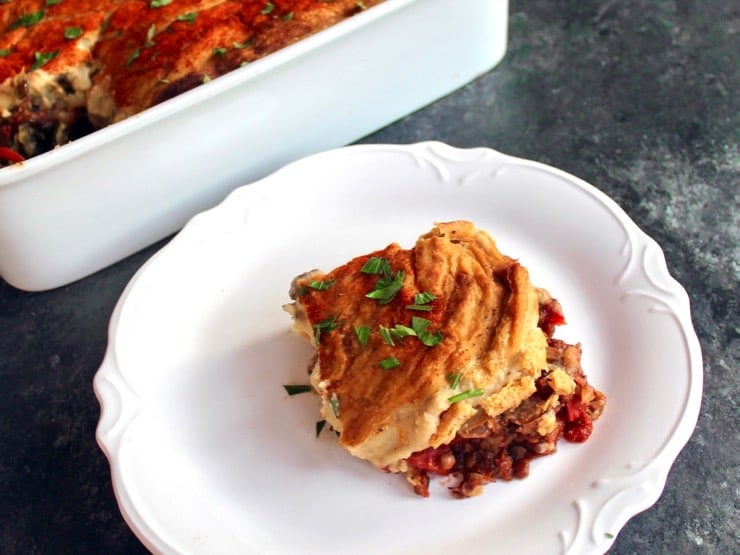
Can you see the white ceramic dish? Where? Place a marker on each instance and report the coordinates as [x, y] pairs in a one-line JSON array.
[[209, 455], [70, 212]]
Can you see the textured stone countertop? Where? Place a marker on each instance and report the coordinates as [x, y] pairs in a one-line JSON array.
[[638, 97]]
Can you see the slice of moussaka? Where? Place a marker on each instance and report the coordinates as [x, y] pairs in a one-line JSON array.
[[69, 67], [440, 359]]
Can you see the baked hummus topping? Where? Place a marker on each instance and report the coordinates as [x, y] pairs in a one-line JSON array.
[[69, 68], [440, 359]]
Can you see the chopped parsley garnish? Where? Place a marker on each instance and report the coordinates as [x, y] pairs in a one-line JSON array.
[[320, 426], [388, 363], [401, 331], [220, 51], [334, 403], [135, 54], [609, 535], [430, 339], [387, 288], [325, 326], [41, 58], [388, 285], [419, 307], [420, 325], [159, 3], [269, 6], [419, 328], [363, 334], [150, 36], [288, 16], [72, 32], [421, 302], [377, 265], [27, 20], [242, 45], [454, 379], [296, 389], [386, 334], [467, 394], [321, 285], [188, 17], [52, 2], [424, 298], [5, 52]]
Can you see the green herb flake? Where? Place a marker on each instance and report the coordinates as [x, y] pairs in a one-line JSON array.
[[401, 331], [361, 5], [454, 379], [206, 79], [288, 16], [325, 326], [420, 325], [431, 339], [609, 536], [321, 285], [220, 52], [27, 20], [188, 17], [377, 265], [5, 52], [150, 36], [385, 333], [388, 363], [135, 54], [363, 334], [296, 389], [387, 288], [320, 426], [242, 45], [52, 2], [467, 394], [334, 404], [424, 298], [42, 58], [159, 3], [72, 32], [419, 307], [421, 302], [269, 6]]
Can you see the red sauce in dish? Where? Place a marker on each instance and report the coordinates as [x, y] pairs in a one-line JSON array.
[[578, 424]]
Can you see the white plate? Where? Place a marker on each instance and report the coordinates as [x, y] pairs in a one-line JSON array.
[[209, 455]]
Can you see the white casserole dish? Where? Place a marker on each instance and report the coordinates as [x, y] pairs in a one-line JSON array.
[[70, 212]]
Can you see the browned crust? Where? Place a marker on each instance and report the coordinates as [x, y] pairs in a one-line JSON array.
[[137, 55], [485, 308], [498, 336]]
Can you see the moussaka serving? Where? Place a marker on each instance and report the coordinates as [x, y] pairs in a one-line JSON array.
[[68, 67], [441, 360]]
